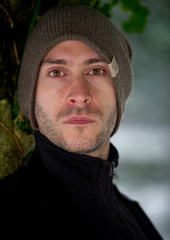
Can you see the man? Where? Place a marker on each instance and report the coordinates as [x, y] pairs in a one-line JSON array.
[[74, 82]]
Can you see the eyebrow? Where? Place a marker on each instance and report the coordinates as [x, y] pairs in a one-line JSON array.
[[94, 60], [65, 62]]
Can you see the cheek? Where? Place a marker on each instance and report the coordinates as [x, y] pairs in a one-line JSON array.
[[107, 88], [108, 96], [47, 100], [110, 103], [45, 94]]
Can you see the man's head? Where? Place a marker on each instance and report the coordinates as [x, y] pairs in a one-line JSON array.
[[55, 36], [75, 104]]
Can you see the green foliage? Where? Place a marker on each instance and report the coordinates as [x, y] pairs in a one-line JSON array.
[[34, 17], [15, 143], [138, 16], [105, 9], [24, 124], [17, 19]]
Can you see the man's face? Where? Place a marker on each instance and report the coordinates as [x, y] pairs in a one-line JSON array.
[[75, 105]]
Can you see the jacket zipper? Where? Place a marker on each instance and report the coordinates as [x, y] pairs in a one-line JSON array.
[[107, 204], [112, 169]]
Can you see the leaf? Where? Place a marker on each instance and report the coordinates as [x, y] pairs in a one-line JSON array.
[[105, 9], [137, 21], [131, 5], [23, 124], [138, 16], [114, 2]]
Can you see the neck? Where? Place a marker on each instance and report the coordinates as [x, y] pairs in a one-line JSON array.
[[102, 152]]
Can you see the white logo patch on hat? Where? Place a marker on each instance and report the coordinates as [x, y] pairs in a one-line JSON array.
[[113, 67]]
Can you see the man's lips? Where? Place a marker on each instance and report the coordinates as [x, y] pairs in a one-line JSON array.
[[79, 120]]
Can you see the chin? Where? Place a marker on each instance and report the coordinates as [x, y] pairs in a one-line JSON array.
[[80, 146]]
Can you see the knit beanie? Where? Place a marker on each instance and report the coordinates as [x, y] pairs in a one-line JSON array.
[[81, 23]]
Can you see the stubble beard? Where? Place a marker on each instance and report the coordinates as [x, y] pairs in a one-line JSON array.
[[51, 129]]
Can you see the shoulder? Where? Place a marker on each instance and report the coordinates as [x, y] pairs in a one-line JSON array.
[[17, 183], [123, 197], [14, 191], [27, 184], [132, 205], [139, 215], [13, 180]]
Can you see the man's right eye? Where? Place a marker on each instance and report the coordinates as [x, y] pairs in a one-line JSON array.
[[56, 73]]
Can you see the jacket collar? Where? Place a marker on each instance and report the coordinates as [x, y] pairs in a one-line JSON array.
[[77, 173]]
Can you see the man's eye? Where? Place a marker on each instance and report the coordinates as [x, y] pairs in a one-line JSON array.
[[96, 71], [56, 73]]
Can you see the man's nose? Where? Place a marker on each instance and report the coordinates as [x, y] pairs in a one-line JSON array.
[[79, 94]]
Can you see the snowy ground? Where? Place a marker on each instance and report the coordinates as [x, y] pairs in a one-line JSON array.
[[144, 171]]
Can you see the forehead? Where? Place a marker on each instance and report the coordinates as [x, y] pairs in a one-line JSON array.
[[72, 49]]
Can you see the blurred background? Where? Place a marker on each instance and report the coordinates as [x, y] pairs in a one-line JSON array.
[[143, 139]]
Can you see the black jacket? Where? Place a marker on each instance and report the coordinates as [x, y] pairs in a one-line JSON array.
[[62, 195]]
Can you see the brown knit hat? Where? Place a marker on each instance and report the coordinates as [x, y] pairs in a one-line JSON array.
[[74, 22]]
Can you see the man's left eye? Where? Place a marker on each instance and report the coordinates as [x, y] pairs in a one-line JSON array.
[[56, 73], [96, 71]]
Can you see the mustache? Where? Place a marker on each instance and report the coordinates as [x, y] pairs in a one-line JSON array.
[[79, 111]]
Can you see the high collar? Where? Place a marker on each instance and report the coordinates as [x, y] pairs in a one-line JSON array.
[[77, 173]]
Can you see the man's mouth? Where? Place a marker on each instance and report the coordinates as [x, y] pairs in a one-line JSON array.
[[79, 120]]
